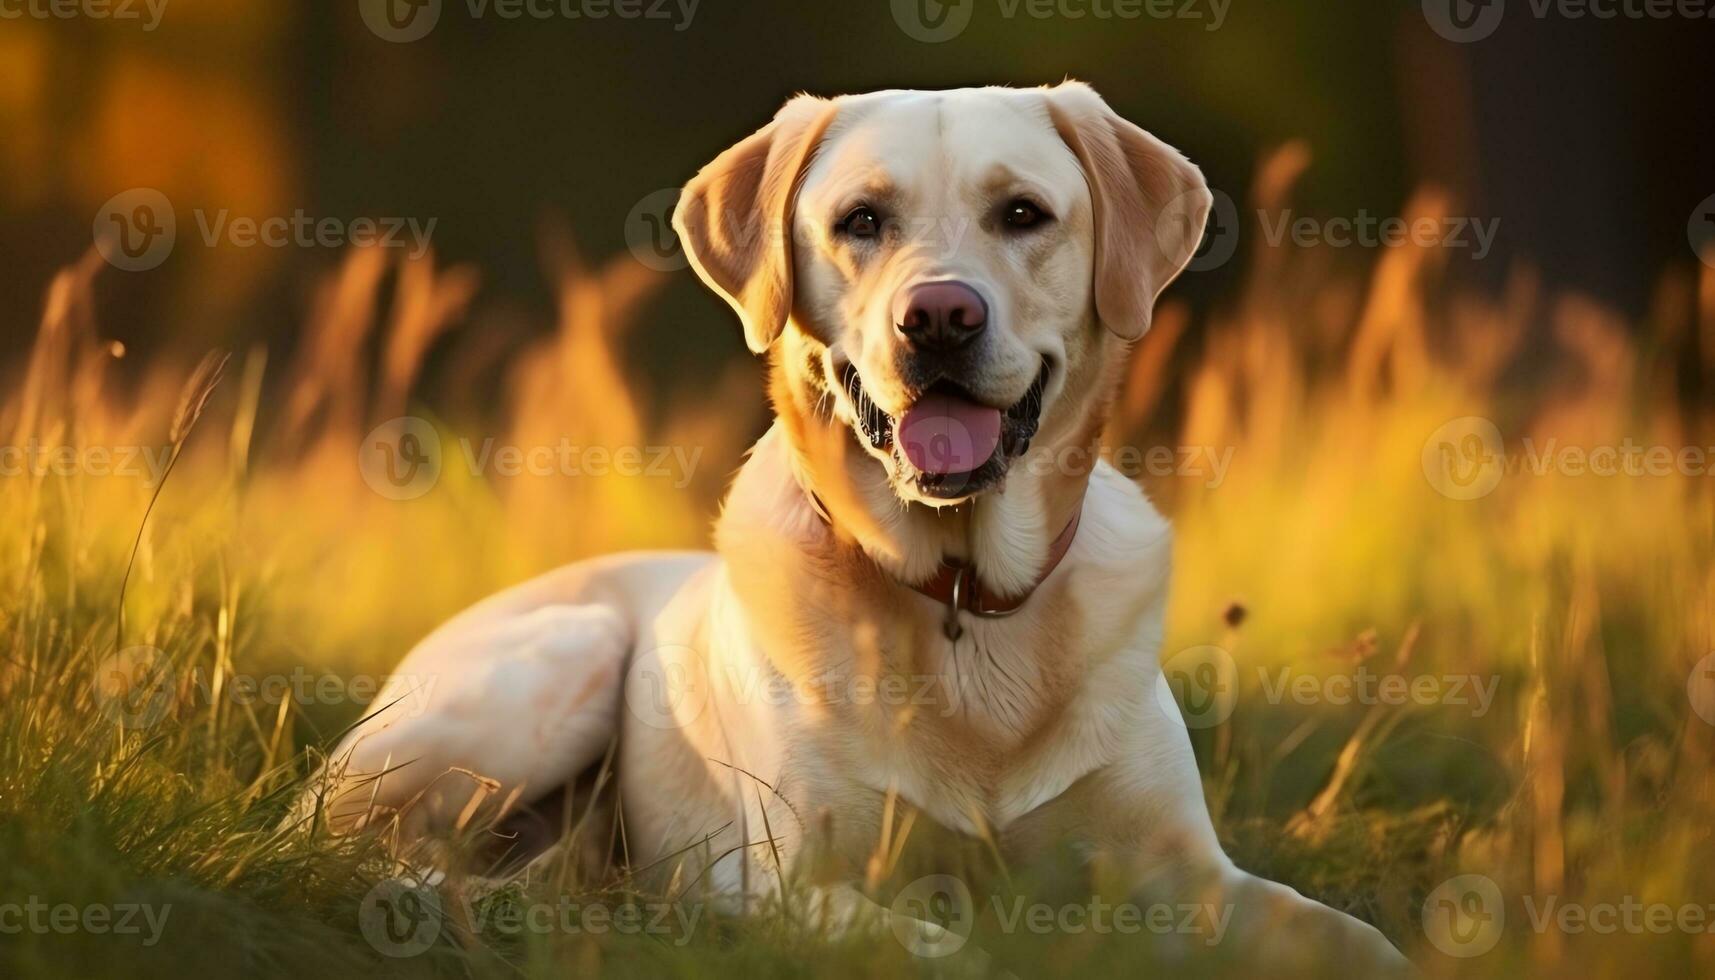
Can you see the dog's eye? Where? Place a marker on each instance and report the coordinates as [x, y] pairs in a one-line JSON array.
[[860, 222], [1020, 213]]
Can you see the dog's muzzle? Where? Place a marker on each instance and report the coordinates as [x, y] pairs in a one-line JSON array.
[[954, 444]]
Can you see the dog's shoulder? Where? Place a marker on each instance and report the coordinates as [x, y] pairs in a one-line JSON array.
[[1122, 532], [767, 523]]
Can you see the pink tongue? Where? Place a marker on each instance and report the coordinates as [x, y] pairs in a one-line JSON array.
[[943, 434]]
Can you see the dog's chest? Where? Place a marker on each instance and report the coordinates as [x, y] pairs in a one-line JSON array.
[[970, 732]]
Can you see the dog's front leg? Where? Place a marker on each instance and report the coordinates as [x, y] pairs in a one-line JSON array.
[[1273, 925], [1145, 817]]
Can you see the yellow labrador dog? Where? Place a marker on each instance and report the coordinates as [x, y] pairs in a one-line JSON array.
[[927, 591]]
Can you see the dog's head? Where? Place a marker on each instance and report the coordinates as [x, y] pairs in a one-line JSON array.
[[954, 266]]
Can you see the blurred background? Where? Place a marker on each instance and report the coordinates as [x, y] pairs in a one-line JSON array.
[[1374, 485], [1584, 137]]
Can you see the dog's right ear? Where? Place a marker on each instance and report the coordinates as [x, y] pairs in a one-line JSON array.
[[734, 218]]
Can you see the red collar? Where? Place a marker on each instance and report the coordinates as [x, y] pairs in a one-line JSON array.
[[957, 586]]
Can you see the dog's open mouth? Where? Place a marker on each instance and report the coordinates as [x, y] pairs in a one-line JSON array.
[[954, 444]]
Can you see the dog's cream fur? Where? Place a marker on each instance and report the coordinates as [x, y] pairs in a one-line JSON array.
[[793, 679]]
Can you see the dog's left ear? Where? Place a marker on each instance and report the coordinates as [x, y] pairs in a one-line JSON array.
[[1150, 205], [734, 218]]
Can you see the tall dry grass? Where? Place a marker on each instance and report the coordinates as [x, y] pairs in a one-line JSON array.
[[1324, 548]]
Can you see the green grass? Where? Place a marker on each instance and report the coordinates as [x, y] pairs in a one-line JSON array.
[[1585, 601]]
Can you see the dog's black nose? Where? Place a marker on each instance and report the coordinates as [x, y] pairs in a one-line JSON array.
[[939, 316]]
